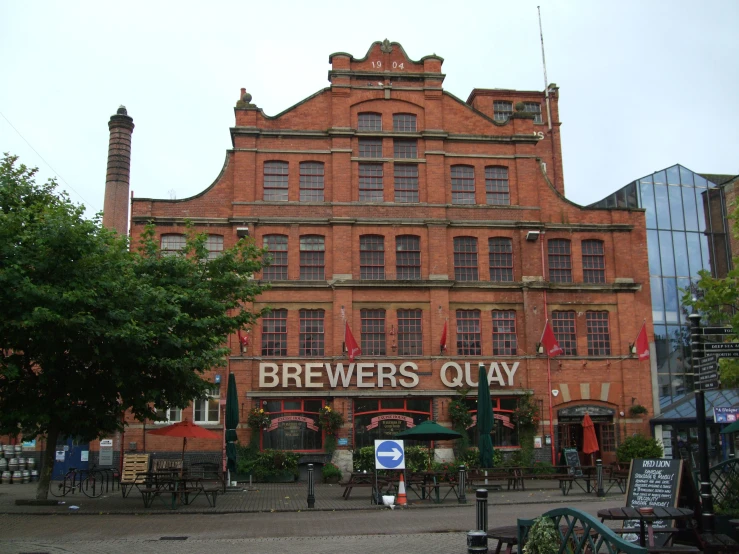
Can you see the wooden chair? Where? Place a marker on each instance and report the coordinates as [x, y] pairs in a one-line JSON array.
[[133, 464]]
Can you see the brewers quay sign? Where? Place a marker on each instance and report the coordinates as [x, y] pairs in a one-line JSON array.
[[377, 375]]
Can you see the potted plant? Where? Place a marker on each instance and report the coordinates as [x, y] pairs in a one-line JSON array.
[[543, 537], [637, 409], [330, 421], [330, 473], [638, 446]]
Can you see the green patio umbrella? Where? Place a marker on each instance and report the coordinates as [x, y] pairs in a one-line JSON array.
[[232, 421], [484, 419], [428, 431]]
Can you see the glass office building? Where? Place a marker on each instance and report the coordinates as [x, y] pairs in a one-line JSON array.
[[686, 233]]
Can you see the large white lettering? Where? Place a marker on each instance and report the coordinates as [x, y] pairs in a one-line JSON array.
[[318, 375]]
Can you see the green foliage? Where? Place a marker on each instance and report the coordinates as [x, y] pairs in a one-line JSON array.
[[543, 537], [330, 470], [257, 419], [637, 409], [638, 446], [471, 458], [330, 420], [527, 413], [364, 459], [461, 419], [91, 329], [728, 502], [266, 464], [544, 468]]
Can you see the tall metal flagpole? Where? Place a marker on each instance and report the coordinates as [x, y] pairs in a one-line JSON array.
[[544, 63]]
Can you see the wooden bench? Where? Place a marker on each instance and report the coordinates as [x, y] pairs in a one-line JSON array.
[[165, 464], [133, 464], [716, 542], [482, 478]]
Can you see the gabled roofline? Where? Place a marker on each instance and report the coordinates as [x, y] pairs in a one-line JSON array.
[[400, 46]]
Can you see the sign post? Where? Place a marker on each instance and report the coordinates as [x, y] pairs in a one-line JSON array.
[[696, 352]]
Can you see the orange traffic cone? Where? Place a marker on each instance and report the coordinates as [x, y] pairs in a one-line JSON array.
[[401, 500]]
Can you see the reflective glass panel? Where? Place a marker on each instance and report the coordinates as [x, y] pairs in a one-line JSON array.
[[661, 345], [691, 211], [647, 202], [694, 253], [706, 253], [671, 304], [663, 208], [653, 253], [700, 181], [659, 178], [665, 250], [673, 176], [682, 286], [678, 336], [676, 207], [663, 384], [681, 254], [658, 303], [686, 176], [700, 197]]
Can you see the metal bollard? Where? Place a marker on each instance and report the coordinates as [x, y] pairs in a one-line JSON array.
[[599, 474], [311, 488], [462, 485], [481, 496], [477, 542]]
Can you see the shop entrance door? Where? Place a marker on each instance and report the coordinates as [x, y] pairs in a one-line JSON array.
[[70, 452]]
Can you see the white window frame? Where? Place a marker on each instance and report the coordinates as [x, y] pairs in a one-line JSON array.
[[205, 404], [174, 415]]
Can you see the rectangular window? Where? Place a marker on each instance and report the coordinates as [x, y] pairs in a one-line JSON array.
[[502, 110], [275, 181], [373, 332], [372, 257], [468, 333], [504, 333], [465, 259], [370, 148], [369, 122], [312, 251], [311, 333], [563, 326], [208, 409], [214, 246], [560, 262], [370, 183], [501, 259], [172, 245], [171, 415], [404, 123], [593, 261], [408, 257], [406, 183], [276, 246], [410, 337], [534, 108], [405, 149], [274, 333], [496, 186], [311, 182], [599, 337], [463, 184], [294, 425], [607, 437]]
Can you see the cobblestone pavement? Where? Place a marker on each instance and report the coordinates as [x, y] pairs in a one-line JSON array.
[[269, 523]]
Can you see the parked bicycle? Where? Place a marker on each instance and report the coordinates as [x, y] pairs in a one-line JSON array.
[[91, 482]]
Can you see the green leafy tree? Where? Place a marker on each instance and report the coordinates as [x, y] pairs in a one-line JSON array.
[[717, 300], [91, 329], [638, 446]]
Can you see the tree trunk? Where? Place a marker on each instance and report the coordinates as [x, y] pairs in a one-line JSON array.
[[47, 463]]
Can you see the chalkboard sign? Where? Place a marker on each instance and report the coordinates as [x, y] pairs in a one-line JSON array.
[[572, 459], [653, 483]]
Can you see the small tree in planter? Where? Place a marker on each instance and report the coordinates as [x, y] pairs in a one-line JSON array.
[[330, 421], [257, 420], [330, 473], [543, 537], [638, 446]]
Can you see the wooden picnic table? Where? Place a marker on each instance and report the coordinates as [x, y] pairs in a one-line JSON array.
[[180, 488], [646, 520], [366, 479]]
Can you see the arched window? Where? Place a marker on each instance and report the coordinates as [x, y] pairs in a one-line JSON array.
[[372, 257], [599, 335], [274, 333], [563, 325], [311, 333], [410, 335], [504, 333], [560, 261], [463, 184], [501, 259], [593, 261], [275, 181], [465, 259], [172, 245], [276, 246], [312, 258], [408, 257], [468, 333], [373, 332]]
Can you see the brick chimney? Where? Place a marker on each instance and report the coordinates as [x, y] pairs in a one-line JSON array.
[[115, 206]]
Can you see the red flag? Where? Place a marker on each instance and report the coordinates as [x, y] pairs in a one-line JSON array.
[[351, 345], [442, 342], [243, 339], [549, 342], [642, 343]]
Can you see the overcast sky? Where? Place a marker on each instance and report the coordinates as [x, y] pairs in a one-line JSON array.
[[643, 84]]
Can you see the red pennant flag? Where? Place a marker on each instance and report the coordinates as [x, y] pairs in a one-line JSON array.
[[442, 342], [549, 342], [351, 345], [243, 339], [642, 343]]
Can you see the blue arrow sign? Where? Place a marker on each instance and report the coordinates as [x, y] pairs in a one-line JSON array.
[[389, 454]]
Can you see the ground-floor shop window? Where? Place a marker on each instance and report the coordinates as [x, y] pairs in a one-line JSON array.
[[505, 432], [376, 419], [293, 425]]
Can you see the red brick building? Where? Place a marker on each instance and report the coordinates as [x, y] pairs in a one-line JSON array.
[[390, 204]]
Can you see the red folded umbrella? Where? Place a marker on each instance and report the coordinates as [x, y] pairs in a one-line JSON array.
[[589, 440], [187, 430]]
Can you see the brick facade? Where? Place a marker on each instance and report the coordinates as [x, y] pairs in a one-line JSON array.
[[459, 145]]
